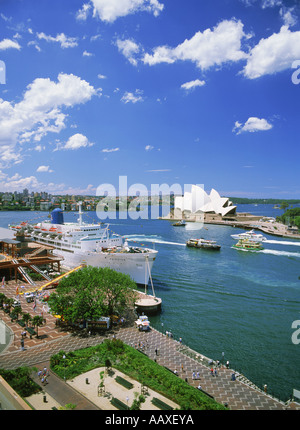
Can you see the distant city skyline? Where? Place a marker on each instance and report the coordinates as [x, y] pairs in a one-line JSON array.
[[159, 91]]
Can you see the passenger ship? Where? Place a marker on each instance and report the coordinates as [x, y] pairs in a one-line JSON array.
[[91, 244]]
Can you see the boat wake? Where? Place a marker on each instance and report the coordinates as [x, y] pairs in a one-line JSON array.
[[282, 242], [275, 252], [272, 252], [151, 238]]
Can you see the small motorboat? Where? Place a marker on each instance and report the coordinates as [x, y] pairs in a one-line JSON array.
[[203, 243], [181, 223]]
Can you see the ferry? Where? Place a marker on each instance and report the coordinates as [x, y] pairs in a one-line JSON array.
[[247, 244], [250, 235], [90, 244], [203, 243], [181, 223]]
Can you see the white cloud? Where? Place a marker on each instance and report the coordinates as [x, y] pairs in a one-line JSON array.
[[287, 16], [274, 54], [82, 14], [65, 41], [271, 3], [44, 169], [39, 112], [159, 170], [129, 97], [208, 48], [77, 141], [18, 183], [87, 54], [149, 148], [8, 44], [101, 76], [110, 150], [251, 125], [128, 48], [110, 10], [192, 84]]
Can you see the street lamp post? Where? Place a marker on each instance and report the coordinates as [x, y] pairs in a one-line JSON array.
[[64, 357]]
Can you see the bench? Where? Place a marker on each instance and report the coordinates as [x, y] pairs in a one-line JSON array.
[[123, 382], [118, 404], [161, 405], [31, 331]]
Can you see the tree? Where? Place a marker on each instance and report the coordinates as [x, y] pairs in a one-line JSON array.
[[37, 321], [284, 205], [92, 292], [26, 317], [16, 312]]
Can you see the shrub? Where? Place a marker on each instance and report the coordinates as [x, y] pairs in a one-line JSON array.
[[19, 379]]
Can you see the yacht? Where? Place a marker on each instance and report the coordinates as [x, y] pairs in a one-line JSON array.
[[90, 244], [249, 235]]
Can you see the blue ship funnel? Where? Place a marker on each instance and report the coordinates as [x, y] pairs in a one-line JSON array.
[[57, 216]]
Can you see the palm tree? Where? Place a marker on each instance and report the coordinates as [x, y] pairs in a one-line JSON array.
[[26, 317], [37, 321]]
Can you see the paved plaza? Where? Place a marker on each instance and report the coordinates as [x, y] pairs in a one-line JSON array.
[[165, 350]]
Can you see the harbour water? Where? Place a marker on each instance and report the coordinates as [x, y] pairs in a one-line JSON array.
[[228, 304]]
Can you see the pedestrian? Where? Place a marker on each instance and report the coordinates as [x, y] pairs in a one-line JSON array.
[[45, 371], [182, 368], [227, 364], [180, 340], [198, 375], [39, 374], [194, 375], [199, 387], [233, 377], [155, 351], [216, 372], [212, 372], [265, 388]]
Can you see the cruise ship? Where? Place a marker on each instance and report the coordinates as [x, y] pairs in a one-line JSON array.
[[90, 244]]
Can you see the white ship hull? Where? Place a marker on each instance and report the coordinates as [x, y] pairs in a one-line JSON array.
[[137, 266], [92, 245]]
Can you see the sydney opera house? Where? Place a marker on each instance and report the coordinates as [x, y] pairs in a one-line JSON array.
[[199, 205]]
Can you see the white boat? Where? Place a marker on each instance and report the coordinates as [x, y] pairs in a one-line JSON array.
[[91, 244], [251, 235]]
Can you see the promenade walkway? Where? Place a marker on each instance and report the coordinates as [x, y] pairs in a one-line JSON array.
[[165, 350], [236, 394]]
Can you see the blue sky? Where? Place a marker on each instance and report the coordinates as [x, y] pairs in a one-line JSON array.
[[160, 91]]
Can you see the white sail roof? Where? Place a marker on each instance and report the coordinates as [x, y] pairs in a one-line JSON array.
[[199, 201]]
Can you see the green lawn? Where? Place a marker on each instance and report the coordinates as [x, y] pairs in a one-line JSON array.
[[136, 365]]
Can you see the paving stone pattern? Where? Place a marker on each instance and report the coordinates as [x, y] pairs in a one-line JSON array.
[[164, 350]]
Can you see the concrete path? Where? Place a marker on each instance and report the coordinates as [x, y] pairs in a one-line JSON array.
[[166, 351]]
